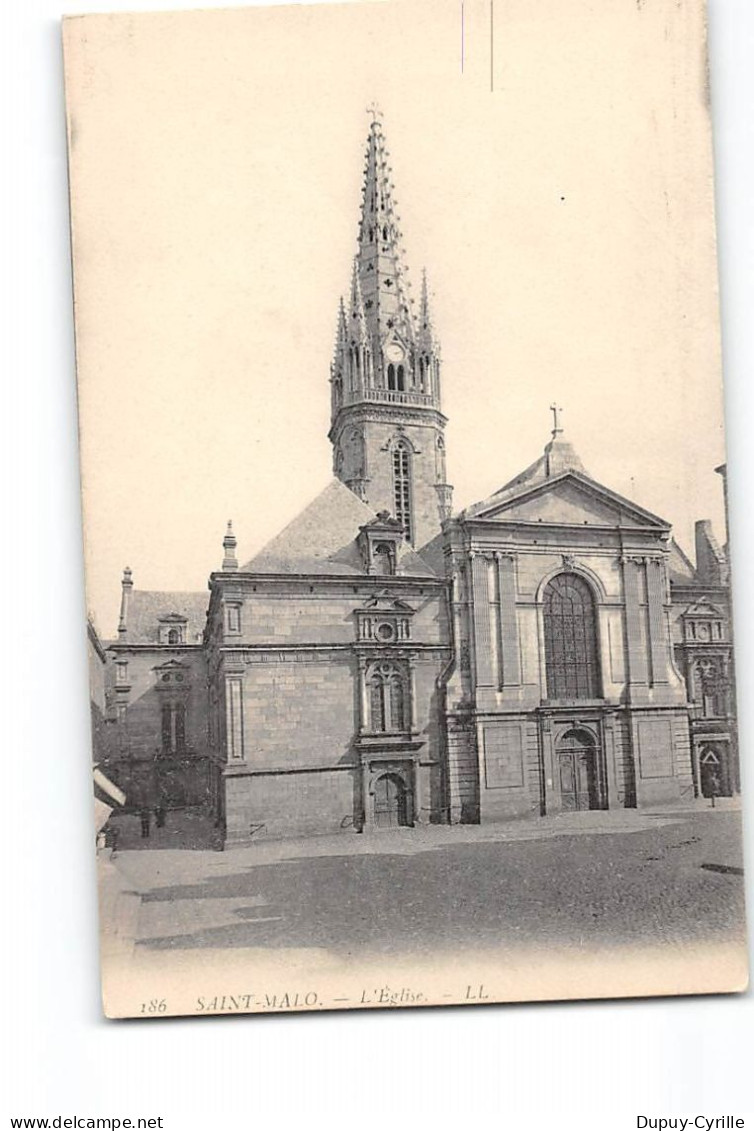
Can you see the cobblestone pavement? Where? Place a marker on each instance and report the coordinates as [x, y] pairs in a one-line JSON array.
[[592, 879]]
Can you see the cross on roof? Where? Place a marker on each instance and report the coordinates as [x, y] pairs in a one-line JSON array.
[[556, 410], [374, 110]]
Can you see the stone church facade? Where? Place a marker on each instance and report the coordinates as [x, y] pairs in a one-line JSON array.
[[385, 662]]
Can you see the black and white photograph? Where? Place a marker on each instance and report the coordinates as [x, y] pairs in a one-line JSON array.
[[404, 498]]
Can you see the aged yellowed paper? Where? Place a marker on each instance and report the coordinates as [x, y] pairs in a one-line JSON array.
[[404, 505]]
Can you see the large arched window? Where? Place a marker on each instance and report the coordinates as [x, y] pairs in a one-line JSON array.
[[570, 639], [402, 487], [387, 699]]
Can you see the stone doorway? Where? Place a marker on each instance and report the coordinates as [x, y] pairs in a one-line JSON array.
[[392, 802], [578, 772], [714, 772]]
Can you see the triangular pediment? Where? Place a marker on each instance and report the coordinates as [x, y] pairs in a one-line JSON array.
[[383, 602], [170, 666], [703, 608], [570, 499]]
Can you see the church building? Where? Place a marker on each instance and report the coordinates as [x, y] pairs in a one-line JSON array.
[[386, 662]]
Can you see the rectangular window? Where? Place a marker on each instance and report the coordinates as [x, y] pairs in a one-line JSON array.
[[233, 618], [121, 673], [180, 727], [167, 728]]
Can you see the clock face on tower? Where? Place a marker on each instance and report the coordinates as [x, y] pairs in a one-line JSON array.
[[395, 352]]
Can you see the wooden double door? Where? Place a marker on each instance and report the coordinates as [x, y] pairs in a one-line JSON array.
[[579, 775], [392, 802]]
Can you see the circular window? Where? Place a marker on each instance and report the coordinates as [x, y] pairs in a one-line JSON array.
[[179, 678], [385, 631], [165, 678]]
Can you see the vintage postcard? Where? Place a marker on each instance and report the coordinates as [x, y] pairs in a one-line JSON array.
[[404, 480]]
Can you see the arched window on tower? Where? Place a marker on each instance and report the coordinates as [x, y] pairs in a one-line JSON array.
[[402, 488], [400, 379], [570, 623], [391, 376]]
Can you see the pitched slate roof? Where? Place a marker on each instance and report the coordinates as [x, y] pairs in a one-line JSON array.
[[322, 540], [681, 570], [559, 456], [147, 606], [559, 464]]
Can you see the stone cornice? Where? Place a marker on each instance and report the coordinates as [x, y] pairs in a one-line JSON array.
[[301, 653], [377, 413], [176, 649], [331, 580]]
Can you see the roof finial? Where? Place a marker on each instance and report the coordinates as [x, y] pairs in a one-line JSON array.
[[556, 410], [125, 600], [230, 562], [373, 109]]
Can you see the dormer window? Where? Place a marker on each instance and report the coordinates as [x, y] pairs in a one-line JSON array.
[[379, 542], [172, 629], [383, 560]]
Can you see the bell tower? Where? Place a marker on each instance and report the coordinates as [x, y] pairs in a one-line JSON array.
[[386, 422]]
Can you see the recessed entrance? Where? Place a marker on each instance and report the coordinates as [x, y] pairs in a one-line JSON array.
[[392, 802], [578, 774], [714, 777]]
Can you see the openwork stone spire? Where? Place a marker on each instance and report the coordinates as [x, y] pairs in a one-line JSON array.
[[383, 354], [381, 268], [387, 423]]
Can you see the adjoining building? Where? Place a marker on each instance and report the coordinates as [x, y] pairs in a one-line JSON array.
[[384, 662]]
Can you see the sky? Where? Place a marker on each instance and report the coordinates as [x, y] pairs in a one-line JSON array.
[[553, 174]]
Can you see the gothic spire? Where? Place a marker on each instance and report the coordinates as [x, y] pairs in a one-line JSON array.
[[358, 327], [426, 335], [382, 273], [341, 334]]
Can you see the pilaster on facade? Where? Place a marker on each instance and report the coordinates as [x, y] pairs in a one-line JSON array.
[[509, 649], [234, 721], [637, 676]]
